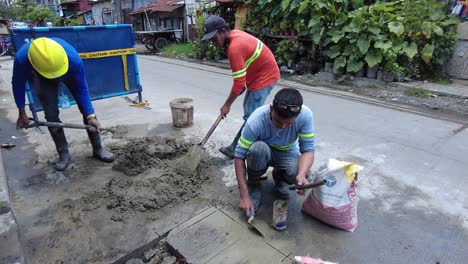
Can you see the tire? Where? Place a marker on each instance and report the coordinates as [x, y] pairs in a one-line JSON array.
[[149, 44], [160, 43]]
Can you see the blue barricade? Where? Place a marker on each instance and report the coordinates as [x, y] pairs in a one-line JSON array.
[[108, 54]]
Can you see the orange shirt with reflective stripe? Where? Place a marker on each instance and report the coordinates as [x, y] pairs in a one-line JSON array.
[[262, 73]]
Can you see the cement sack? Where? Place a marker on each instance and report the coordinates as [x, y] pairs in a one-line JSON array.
[[335, 203]]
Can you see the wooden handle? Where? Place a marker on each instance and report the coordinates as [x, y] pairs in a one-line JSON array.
[[213, 127], [307, 186]]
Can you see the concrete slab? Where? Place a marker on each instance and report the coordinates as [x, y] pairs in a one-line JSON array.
[[248, 250], [214, 237]]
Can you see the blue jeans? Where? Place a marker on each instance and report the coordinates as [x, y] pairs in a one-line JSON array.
[[255, 99], [260, 156]]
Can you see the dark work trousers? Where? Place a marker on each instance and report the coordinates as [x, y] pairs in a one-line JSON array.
[[49, 96]]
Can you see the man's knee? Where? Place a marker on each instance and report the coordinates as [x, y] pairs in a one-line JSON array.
[[258, 157], [259, 150]]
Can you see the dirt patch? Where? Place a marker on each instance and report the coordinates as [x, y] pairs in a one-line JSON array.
[[390, 93]]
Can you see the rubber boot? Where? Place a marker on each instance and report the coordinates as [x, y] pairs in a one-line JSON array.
[[281, 187], [98, 150], [255, 193], [61, 144], [230, 150]]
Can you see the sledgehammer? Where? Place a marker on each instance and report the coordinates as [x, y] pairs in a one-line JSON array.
[[37, 123]]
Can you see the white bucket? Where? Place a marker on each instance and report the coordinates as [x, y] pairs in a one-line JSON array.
[[182, 112]]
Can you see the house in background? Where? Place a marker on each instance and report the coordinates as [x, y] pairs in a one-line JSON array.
[[103, 12], [164, 15], [77, 9], [111, 11]]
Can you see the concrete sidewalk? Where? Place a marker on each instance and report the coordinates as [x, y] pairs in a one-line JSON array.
[[457, 88]]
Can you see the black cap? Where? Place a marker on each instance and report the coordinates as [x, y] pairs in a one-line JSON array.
[[212, 25]]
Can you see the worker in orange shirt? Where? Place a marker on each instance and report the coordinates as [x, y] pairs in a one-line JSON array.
[[253, 66]]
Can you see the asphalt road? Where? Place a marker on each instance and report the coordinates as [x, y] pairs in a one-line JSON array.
[[413, 206]]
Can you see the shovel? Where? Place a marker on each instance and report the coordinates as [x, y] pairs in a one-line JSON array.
[[308, 186], [37, 123], [189, 163]]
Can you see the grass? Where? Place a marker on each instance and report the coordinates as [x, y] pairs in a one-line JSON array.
[[416, 91], [175, 50], [441, 79]]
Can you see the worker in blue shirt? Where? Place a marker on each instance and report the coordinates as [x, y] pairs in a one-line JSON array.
[[281, 136], [47, 62]]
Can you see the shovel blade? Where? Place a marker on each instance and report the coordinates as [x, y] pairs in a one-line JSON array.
[[189, 162]]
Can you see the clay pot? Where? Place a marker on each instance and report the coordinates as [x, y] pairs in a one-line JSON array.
[[372, 72]]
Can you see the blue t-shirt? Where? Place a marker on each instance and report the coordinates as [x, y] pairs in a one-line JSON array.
[[23, 71], [260, 127]]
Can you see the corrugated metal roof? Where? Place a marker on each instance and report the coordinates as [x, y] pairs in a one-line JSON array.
[[161, 6]]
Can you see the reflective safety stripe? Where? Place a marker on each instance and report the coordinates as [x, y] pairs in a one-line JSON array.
[[249, 61], [239, 74], [278, 147], [245, 143], [255, 55], [306, 136]]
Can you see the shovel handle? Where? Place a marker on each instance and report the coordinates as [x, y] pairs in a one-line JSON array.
[[308, 186], [213, 127], [37, 123]]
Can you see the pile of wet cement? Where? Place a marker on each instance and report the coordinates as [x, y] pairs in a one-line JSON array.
[[151, 180]]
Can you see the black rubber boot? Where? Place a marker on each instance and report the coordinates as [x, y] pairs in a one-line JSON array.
[[254, 185], [230, 150], [98, 150], [61, 144], [281, 187]]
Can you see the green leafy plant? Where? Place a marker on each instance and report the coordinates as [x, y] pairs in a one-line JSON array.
[[359, 33]]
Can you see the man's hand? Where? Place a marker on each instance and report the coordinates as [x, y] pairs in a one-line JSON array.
[[246, 205], [225, 110], [22, 119], [94, 122], [301, 180]]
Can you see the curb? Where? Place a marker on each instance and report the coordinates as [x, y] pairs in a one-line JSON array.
[[329, 79], [10, 248]]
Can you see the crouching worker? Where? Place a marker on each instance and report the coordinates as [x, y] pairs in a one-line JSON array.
[[47, 62], [281, 136]]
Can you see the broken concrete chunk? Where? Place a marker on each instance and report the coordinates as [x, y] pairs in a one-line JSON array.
[[150, 254], [169, 260], [135, 261]]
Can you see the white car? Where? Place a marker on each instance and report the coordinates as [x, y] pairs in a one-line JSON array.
[[19, 25]]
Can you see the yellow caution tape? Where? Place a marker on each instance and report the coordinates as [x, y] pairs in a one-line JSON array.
[[112, 53], [107, 53], [124, 64]]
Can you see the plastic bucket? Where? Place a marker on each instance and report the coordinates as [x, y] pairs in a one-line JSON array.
[[182, 112]]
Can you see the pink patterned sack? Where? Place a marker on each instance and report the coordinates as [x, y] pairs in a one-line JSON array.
[[335, 203]]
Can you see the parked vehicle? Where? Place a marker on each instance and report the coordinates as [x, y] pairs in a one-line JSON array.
[[157, 40], [6, 47], [18, 25]]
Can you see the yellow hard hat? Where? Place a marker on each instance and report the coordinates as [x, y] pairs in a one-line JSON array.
[[48, 58]]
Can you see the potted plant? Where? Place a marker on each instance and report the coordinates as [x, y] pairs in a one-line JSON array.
[[390, 67]]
